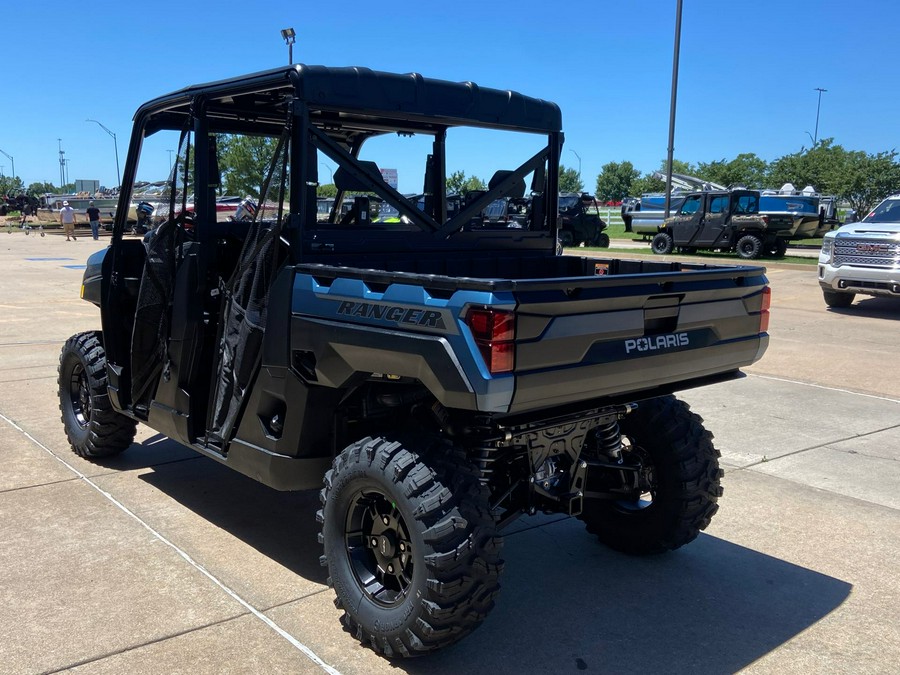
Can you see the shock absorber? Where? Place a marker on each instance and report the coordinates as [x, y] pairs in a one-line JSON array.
[[484, 457], [609, 440]]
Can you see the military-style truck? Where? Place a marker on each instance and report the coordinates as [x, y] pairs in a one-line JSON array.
[[722, 221], [434, 378]]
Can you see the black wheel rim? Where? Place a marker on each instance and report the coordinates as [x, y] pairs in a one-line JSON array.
[[379, 547], [80, 396]]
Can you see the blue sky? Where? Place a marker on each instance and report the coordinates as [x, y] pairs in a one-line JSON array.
[[747, 77]]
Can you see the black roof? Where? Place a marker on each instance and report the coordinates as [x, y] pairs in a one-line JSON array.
[[354, 95]]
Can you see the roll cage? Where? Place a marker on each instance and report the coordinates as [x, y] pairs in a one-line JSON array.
[[334, 111]]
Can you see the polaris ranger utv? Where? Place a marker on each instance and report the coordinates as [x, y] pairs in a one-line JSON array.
[[579, 221], [434, 378], [722, 221]]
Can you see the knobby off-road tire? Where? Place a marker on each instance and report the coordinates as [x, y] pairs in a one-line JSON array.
[[410, 545], [662, 243], [777, 249], [685, 474], [602, 240], [93, 428], [749, 247], [838, 300]]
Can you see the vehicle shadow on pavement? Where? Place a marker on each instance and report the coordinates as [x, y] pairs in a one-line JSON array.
[[280, 525], [567, 603], [873, 308]]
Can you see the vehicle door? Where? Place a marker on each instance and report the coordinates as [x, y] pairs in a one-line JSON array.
[[715, 220], [688, 221]]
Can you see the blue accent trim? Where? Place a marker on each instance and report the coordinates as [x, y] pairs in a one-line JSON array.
[[402, 307]]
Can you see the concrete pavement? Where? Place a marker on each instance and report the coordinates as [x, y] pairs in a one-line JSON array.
[[163, 561]]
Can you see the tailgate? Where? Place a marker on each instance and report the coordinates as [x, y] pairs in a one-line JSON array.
[[626, 333]]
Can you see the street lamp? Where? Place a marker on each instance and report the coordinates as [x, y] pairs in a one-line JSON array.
[[289, 36], [170, 160], [818, 106], [579, 161], [13, 163], [329, 170], [672, 107], [115, 145]]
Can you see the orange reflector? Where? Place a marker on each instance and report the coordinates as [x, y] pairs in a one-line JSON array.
[[764, 310]]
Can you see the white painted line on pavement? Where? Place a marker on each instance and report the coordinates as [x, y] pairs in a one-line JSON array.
[[822, 386], [259, 615]]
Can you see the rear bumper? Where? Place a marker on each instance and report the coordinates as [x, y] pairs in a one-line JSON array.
[[630, 378]]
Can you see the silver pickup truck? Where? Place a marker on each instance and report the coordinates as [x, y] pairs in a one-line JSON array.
[[863, 257]]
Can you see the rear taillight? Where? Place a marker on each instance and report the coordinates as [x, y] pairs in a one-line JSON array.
[[764, 310], [495, 333]]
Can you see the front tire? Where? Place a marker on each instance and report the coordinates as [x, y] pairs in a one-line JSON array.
[[669, 440], [410, 545], [603, 240], [93, 427], [662, 243], [838, 300]]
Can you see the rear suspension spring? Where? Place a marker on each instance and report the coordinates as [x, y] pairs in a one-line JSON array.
[[609, 440]]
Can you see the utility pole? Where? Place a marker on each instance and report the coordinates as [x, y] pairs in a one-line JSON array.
[[672, 108], [818, 107], [62, 165]]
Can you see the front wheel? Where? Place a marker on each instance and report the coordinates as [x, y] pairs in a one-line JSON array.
[[603, 240], [676, 453], [749, 246], [93, 427], [662, 243], [410, 545], [838, 300]]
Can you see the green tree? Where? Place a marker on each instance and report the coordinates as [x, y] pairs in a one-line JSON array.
[[10, 185], [327, 190], [822, 166], [243, 162], [859, 178], [569, 180], [869, 179], [38, 189], [679, 166], [615, 181], [746, 170], [458, 183], [647, 183]]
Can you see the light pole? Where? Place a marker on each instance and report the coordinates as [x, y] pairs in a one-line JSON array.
[[818, 106], [170, 160], [289, 36], [329, 170], [13, 163], [672, 107], [115, 145], [579, 162], [62, 165]]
